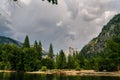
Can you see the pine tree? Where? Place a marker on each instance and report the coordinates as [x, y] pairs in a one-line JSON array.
[[30, 59], [70, 63], [57, 61], [62, 60], [81, 59], [38, 48], [26, 43], [51, 54], [35, 44]]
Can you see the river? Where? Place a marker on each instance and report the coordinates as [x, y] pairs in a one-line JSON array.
[[24, 76]]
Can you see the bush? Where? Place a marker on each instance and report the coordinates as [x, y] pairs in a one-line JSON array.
[[5, 66], [77, 68], [44, 68]]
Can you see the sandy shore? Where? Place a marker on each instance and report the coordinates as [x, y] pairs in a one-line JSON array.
[[7, 71], [71, 72], [77, 73]]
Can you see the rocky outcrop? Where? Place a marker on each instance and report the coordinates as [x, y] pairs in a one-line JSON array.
[[98, 44]]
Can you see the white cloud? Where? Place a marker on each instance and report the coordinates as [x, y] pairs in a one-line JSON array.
[[27, 2], [108, 14], [59, 24], [70, 23]]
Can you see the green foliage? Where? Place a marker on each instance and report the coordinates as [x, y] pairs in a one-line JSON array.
[[29, 58], [115, 19], [5, 66], [15, 57], [113, 45], [50, 53], [57, 61], [113, 48], [49, 63], [38, 48], [26, 58], [26, 43], [99, 43], [70, 63], [44, 68], [80, 57], [10, 56], [61, 60], [77, 68], [109, 59]]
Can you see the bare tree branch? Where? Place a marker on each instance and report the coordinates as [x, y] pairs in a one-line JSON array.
[[53, 1]]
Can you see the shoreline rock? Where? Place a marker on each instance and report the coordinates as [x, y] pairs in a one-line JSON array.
[[77, 73], [70, 72]]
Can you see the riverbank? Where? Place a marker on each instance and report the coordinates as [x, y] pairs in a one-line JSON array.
[[7, 71], [70, 72], [77, 73]]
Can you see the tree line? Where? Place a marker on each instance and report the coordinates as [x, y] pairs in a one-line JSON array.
[[31, 58]]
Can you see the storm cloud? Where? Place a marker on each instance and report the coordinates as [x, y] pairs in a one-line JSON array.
[[70, 23], [4, 26]]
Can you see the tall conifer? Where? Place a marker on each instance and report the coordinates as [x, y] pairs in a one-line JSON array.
[[26, 43], [51, 54]]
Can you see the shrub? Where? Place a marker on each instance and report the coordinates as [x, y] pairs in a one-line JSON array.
[[44, 68], [77, 68]]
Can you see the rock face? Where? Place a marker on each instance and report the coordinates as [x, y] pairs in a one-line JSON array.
[[71, 51], [98, 44], [6, 40]]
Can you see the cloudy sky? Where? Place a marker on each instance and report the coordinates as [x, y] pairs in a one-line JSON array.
[[70, 23]]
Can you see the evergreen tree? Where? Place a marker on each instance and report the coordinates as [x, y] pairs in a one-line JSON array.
[[15, 58], [30, 59], [62, 60], [26, 43], [70, 63], [50, 53], [35, 44], [38, 48], [81, 59], [57, 61], [49, 63], [113, 48], [5, 64]]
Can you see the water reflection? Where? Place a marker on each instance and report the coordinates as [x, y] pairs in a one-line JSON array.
[[23, 76]]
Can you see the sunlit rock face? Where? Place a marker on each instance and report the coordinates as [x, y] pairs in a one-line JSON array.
[[71, 51], [98, 44]]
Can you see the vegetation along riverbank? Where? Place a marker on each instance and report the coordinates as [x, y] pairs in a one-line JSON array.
[[102, 55]]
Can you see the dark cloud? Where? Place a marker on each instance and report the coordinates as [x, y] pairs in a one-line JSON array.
[[4, 26], [71, 23]]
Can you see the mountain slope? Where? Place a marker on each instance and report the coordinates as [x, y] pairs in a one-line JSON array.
[[98, 44], [6, 40]]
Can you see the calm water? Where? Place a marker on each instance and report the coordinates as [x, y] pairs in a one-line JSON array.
[[22, 76]]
